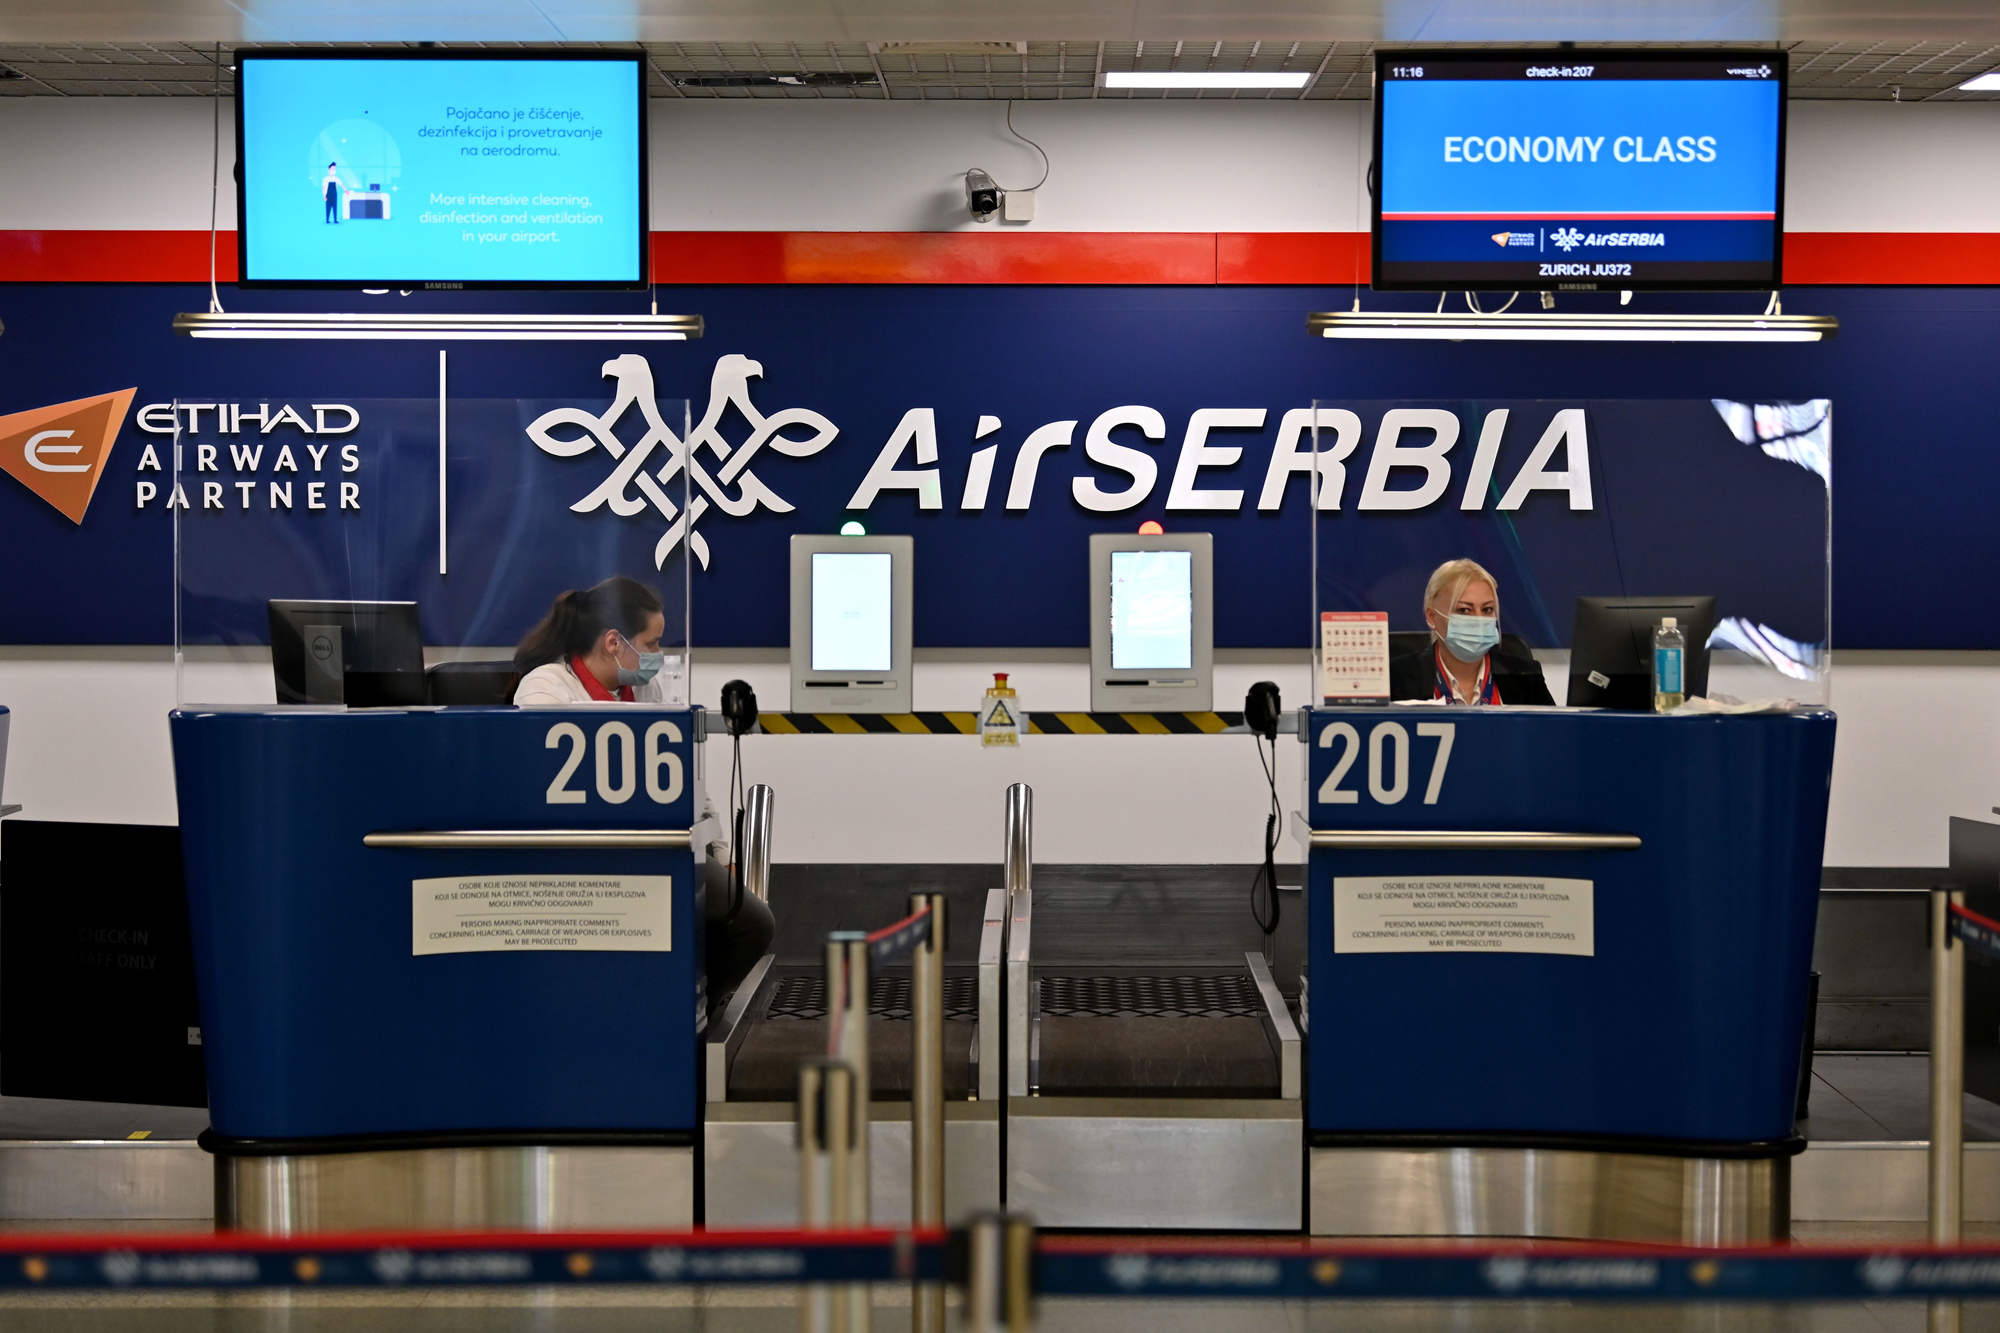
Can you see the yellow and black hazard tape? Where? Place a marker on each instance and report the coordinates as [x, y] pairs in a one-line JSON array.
[[967, 724]]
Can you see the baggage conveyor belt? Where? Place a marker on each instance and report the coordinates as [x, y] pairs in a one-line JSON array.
[[1119, 1033], [788, 1026]]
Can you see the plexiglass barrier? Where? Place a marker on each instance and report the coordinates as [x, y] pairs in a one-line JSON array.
[[1596, 519], [398, 551]]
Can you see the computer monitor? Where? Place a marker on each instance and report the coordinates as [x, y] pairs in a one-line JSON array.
[[362, 654], [1152, 623], [851, 637], [1611, 648]]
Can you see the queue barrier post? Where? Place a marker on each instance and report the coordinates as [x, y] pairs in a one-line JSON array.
[[1947, 1064], [847, 989], [927, 1097], [826, 1123], [999, 1273]]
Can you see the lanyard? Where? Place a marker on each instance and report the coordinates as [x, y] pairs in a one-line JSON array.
[[595, 690], [1484, 692]]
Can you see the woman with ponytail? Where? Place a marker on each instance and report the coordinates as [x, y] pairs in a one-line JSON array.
[[596, 644]]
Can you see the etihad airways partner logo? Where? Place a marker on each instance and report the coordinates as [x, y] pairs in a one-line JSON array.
[[59, 452]]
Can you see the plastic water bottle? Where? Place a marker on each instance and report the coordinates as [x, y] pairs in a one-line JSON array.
[[1669, 652]]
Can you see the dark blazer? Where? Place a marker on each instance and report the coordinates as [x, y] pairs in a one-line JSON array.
[[1517, 677]]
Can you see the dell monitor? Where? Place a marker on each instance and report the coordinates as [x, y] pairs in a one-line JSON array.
[[851, 637], [441, 169], [1611, 649], [362, 654], [1152, 615], [1576, 170]]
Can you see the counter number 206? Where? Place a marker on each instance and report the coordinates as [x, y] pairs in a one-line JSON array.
[[618, 763], [1388, 761]]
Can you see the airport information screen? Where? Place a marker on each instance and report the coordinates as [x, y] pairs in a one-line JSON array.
[[853, 608], [374, 171], [1517, 171], [1152, 610]]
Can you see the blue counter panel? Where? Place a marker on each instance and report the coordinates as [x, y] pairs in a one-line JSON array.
[[1686, 1023], [317, 1020]]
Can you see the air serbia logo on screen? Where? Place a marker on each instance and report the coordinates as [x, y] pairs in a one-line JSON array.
[[1664, 179]]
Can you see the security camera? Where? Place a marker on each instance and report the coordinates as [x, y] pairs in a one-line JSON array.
[[982, 196]]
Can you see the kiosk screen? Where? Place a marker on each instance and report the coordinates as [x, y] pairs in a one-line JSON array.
[[1152, 610], [852, 611]]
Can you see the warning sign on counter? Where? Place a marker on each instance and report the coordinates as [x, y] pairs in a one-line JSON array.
[[1464, 916], [542, 914]]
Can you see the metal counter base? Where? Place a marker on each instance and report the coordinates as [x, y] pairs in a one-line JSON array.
[[752, 1162], [1143, 1163], [458, 1189], [1540, 1192]]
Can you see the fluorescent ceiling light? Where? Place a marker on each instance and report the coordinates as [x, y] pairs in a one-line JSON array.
[[1143, 79], [1576, 328], [435, 328], [1984, 83]]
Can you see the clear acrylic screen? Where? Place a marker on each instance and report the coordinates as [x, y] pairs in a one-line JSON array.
[[853, 605], [1152, 610], [1640, 503], [433, 535]]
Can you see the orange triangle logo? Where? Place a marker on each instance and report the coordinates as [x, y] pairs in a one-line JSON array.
[[59, 452]]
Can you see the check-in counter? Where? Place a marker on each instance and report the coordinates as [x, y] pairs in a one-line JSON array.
[[449, 963], [1558, 969]]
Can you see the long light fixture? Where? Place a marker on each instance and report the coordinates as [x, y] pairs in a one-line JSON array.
[[1575, 328], [434, 328], [1246, 80], [1988, 82]]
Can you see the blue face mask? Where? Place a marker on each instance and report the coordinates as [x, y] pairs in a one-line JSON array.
[[1469, 638], [649, 666]]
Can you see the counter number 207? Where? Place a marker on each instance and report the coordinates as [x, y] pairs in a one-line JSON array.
[[1388, 761], [618, 763]]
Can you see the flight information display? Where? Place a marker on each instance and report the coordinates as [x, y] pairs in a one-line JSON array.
[[1572, 170], [441, 171]]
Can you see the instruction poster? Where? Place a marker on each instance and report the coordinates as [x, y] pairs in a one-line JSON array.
[[1464, 915], [542, 913]]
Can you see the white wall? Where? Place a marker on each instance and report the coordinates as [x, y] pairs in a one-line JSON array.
[[145, 163], [89, 743], [1919, 741]]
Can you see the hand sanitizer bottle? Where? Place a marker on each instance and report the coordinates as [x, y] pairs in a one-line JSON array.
[[1001, 721], [1669, 651]]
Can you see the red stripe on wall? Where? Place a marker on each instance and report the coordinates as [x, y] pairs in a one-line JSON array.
[[1892, 258], [1014, 257], [1284, 258], [1169, 258], [114, 256]]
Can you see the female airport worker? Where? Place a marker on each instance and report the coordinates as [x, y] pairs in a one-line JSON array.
[[600, 643], [1463, 663]]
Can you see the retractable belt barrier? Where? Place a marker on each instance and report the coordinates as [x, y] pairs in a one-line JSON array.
[[225, 1260], [1056, 1267]]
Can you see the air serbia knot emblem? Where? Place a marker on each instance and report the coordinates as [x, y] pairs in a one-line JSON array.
[[728, 485]]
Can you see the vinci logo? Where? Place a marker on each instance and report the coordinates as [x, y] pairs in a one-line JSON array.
[[59, 452]]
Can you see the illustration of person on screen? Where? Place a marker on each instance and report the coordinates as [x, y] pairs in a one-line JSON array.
[[331, 188]]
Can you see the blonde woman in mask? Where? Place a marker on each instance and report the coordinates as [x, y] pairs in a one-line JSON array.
[[1463, 662]]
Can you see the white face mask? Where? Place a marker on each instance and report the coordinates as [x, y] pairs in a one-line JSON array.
[[649, 665], [1469, 638]]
